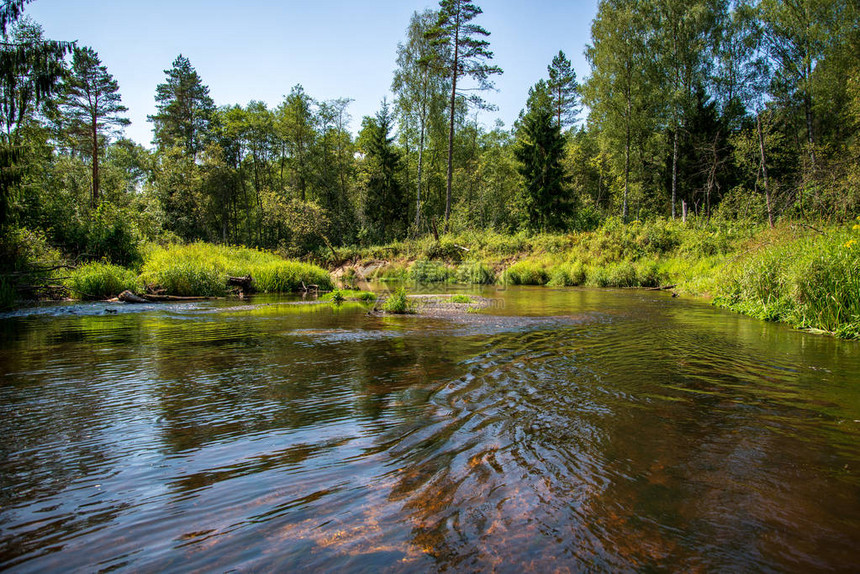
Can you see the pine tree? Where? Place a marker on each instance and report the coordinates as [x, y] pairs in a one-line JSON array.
[[90, 109], [563, 90], [385, 207], [540, 150], [467, 55], [185, 109]]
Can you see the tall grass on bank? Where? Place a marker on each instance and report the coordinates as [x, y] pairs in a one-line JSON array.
[[102, 281], [811, 281], [202, 269]]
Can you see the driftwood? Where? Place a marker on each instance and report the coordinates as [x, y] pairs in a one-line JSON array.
[[129, 297], [663, 288], [243, 283]]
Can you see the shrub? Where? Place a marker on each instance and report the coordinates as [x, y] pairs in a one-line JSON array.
[[429, 272], [461, 299], [101, 281], [475, 273], [398, 303], [568, 274], [526, 272], [340, 295]]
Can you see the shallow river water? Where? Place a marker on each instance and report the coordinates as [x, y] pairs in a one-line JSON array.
[[557, 430]]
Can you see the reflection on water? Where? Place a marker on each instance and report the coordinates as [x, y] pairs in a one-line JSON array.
[[559, 430]]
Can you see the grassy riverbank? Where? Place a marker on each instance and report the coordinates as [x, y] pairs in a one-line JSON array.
[[806, 276], [199, 270], [798, 274]]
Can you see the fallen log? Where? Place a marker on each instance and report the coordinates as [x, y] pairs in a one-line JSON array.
[[129, 297], [663, 288], [244, 283]]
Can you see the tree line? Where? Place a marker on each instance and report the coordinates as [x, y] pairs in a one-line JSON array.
[[695, 108]]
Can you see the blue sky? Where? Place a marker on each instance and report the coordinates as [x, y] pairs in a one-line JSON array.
[[258, 49]]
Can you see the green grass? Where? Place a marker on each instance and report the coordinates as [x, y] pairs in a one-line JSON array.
[[202, 269], [461, 299], [809, 281], [424, 271], [398, 303], [101, 281], [790, 273], [340, 295], [525, 272]]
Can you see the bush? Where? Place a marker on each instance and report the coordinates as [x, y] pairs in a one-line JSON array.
[[429, 272], [526, 272], [340, 295], [101, 281], [475, 273], [398, 303], [568, 274], [461, 299]]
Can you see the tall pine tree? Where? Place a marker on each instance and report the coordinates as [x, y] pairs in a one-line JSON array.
[[563, 90], [467, 55], [90, 109]]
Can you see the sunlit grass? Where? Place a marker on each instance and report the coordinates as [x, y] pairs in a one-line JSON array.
[[202, 269], [101, 281]]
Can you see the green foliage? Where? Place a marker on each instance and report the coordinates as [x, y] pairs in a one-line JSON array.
[[540, 150], [102, 281], [398, 303], [526, 272], [809, 281], [21, 249], [429, 272], [461, 299], [475, 273], [341, 295], [568, 274], [8, 295], [202, 269]]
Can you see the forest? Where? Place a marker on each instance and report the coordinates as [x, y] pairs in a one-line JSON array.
[[694, 112]]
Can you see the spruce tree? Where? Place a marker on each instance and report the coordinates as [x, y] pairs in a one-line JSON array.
[[385, 206], [185, 109], [540, 150], [90, 109]]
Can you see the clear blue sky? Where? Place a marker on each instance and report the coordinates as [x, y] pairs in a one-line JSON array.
[[258, 49]]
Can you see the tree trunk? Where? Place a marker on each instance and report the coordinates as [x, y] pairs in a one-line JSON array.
[[456, 69], [764, 171], [420, 172], [95, 135], [674, 169], [626, 163]]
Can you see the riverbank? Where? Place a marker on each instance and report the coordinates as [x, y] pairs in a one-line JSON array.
[[803, 275], [807, 276]]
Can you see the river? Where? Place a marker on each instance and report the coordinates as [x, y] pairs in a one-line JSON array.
[[556, 430]]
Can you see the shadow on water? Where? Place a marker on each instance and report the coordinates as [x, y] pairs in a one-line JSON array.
[[558, 429]]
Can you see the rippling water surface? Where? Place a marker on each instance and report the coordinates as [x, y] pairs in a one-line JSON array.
[[557, 430]]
